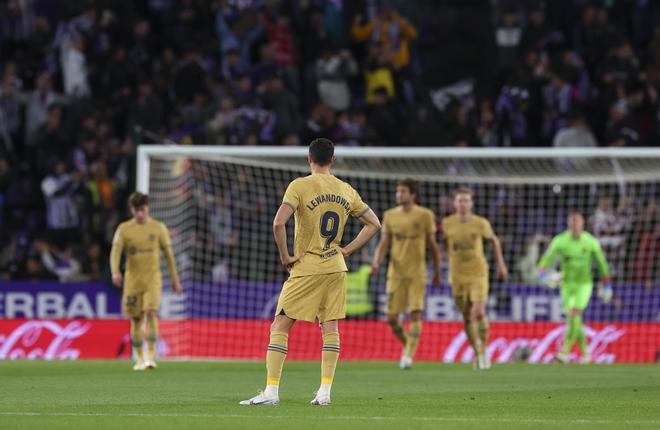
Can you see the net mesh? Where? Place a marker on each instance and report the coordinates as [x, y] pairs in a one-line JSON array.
[[220, 208]]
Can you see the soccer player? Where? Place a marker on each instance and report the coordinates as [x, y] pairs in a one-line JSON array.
[[141, 239], [408, 230], [465, 233], [316, 288], [577, 250]]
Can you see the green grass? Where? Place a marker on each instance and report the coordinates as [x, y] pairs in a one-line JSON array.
[[204, 395]]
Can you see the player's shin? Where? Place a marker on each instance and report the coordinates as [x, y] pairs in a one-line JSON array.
[[471, 334], [581, 337], [483, 328], [137, 338], [397, 329], [570, 336], [275, 356], [152, 334], [329, 358], [412, 338]]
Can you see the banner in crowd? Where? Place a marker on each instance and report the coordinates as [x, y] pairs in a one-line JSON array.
[[246, 339], [242, 300]]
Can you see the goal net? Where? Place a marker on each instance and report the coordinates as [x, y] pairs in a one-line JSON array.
[[219, 202]]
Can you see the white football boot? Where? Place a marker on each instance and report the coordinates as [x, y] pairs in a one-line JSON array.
[[140, 365], [321, 400], [405, 362], [261, 399]]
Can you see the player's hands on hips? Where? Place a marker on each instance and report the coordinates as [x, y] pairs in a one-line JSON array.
[[176, 286], [117, 279], [503, 272], [289, 260]]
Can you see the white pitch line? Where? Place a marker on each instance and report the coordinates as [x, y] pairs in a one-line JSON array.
[[331, 418]]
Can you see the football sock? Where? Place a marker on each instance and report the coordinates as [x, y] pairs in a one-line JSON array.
[[569, 337], [580, 336], [412, 338], [397, 329], [275, 356], [137, 337], [152, 335], [329, 358], [470, 332], [482, 330]]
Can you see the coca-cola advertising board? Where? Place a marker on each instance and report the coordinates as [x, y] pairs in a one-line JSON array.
[[361, 340]]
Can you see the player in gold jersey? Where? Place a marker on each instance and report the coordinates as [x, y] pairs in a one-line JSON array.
[[316, 288], [468, 269], [141, 239], [409, 229]]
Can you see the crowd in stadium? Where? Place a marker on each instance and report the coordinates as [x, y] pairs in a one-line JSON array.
[[83, 82]]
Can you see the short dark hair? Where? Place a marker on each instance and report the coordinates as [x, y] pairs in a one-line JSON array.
[[137, 199], [322, 150], [463, 190], [411, 184]]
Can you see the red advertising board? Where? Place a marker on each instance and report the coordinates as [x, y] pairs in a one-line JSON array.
[[360, 340]]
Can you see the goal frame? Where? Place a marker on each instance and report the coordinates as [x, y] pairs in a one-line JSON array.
[[145, 152]]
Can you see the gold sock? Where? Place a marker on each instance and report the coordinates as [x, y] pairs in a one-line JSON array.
[[275, 356], [412, 338], [152, 335], [329, 356], [471, 334], [137, 337], [397, 329], [483, 329]]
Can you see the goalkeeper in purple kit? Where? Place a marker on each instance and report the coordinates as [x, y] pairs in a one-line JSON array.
[[577, 249]]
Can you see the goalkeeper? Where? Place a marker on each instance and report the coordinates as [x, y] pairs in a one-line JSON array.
[[577, 249]]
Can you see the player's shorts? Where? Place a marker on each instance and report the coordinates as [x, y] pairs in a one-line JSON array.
[[576, 296], [313, 297], [470, 289], [135, 303], [405, 293]]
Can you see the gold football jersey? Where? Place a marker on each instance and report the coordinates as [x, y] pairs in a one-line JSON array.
[[322, 204]]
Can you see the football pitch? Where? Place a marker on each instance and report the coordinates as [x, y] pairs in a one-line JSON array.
[[367, 395]]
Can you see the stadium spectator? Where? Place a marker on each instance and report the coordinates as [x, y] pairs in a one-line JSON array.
[[577, 134], [389, 29], [59, 189], [94, 265], [333, 69], [61, 264], [611, 225]]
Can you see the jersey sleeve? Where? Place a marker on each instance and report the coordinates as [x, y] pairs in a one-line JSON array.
[[550, 254], [358, 207], [115, 252], [387, 226], [166, 245], [292, 196], [603, 267], [430, 223], [487, 230]]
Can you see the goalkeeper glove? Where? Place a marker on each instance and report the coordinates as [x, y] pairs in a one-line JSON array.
[[605, 292], [550, 279], [543, 276]]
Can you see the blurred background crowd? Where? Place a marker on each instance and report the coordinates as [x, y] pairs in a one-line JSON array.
[[82, 82]]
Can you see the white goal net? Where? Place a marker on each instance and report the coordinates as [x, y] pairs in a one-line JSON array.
[[219, 203]]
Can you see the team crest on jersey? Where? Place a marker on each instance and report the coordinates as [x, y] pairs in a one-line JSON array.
[[416, 226], [474, 236], [584, 249], [152, 237], [132, 250]]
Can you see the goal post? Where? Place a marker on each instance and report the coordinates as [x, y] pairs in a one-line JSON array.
[[219, 201]]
